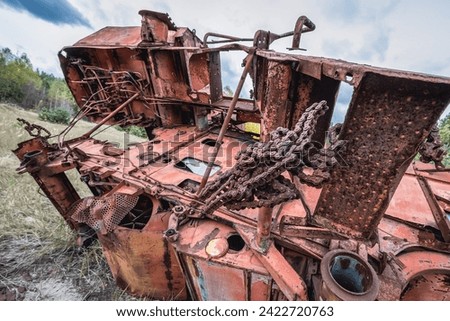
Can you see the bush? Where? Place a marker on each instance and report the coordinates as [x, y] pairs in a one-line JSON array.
[[138, 131], [59, 116], [133, 130]]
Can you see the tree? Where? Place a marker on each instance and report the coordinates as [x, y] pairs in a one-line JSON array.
[[19, 83], [22, 85], [444, 131]]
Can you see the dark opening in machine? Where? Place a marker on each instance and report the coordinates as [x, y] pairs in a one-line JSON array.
[[189, 185], [195, 166], [235, 242], [139, 215]]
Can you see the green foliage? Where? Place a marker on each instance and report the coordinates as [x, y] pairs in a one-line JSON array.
[[133, 130], [58, 94], [55, 115], [138, 131], [21, 84], [444, 131]]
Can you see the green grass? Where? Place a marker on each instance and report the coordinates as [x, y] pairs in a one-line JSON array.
[[29, 224]]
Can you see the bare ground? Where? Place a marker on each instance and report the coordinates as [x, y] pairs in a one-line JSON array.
[[27, 273]]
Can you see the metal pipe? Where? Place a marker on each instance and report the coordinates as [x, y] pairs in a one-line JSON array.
[[347, 276], [219, 35], [111, 115], [263, 227], [226, 122]]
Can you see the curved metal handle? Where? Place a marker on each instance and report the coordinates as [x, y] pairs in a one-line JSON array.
[[302, 25], [263, 39]]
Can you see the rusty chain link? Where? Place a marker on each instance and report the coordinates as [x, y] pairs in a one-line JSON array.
[[256, 180], [33, 127]]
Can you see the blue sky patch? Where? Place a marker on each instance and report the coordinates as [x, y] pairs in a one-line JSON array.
[[55, 11]]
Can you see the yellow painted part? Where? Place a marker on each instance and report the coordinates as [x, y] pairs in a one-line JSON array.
[[254, 128]]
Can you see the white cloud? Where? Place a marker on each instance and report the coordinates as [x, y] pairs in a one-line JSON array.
[[401, 34], [39, 39], [420, 37]]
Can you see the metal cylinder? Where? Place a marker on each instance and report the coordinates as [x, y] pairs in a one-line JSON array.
[[263, 228], [346, 276]]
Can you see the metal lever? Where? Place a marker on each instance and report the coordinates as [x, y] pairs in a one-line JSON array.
[[302, 25]]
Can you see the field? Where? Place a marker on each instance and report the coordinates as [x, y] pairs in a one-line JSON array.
[[39, 259]]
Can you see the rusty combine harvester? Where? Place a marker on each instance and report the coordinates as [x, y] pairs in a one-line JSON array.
[[206, 210]]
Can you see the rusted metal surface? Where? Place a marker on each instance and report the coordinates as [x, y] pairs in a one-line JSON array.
[[439, 215], [301, 211], [378, 148], [205, 273], [286, 277], [429, 287], [263, 228]]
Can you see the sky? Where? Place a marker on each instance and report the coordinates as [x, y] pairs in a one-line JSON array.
[[401, 34]]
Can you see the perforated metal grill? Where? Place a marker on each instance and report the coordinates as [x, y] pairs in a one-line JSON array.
[[103, 213]]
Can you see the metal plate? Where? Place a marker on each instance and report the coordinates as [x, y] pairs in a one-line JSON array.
[[389, 117]]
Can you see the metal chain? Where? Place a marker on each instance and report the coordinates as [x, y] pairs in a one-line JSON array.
[[256, 180], [33, 127], [432, 149]]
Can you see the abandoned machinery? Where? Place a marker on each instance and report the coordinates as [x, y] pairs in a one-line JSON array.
[[210, 209]]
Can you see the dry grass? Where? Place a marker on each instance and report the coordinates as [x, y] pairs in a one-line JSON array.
[[32, 233]]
